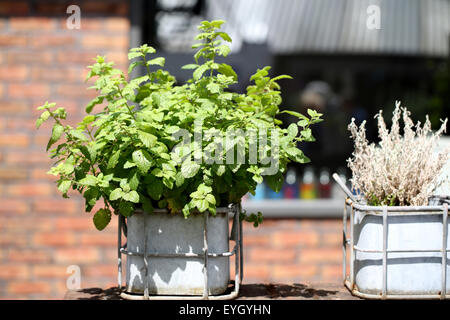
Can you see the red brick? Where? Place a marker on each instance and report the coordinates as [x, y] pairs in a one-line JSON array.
[[108, 270], [49, 271], [27, 158], [53, 239], [16, 90], [14, 271], [256, 271], [12, 173], [256, 239], [65, 206], [99, 239], [332, 272], [9, 8], [30, 189], [30, 57], [289, 239], [29, 287], [12, 107], [117, 24], [321, 255], [17, 224], [293, 272], [30, 23], [74, 223], [271, 255], [75, 91], [59, 74], [13, 206], [10, 40], [81, 58], [102, 41], [52, 40], [332, 239], [76, 255], [13, 240], [28, 256], [41, 174], [17, 72], [14, 140], [120, 59]]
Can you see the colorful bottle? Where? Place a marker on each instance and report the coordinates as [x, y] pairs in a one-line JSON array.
[[270, 194], [260, 193], [290, 187], [324, 183], [307, 186]]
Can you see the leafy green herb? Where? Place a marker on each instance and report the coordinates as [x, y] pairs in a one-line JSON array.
[[128, 151]]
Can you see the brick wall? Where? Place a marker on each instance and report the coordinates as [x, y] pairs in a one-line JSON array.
[[41, 233]]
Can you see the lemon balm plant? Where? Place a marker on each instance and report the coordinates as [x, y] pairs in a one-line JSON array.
[[149, 145], [123, 150]]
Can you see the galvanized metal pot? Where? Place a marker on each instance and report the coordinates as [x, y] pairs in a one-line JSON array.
[[164, 237], [396, 252], [411, 269]]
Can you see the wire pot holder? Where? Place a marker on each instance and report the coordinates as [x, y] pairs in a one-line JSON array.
[[349, 279], [235, 235]]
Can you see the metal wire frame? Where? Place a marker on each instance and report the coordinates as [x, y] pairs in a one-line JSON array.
[[236, 235], [349, 280]]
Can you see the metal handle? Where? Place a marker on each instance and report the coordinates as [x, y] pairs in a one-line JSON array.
[[339, 181]]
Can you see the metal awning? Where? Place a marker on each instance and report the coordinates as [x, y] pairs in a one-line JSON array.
[[408, 27]]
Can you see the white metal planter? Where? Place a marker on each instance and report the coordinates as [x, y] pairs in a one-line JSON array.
[[397, 252], [170, 257]]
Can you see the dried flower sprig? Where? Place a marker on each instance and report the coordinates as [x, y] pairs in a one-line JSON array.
[[401, 169]]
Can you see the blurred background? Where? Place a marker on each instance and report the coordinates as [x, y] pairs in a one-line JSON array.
[[348, 58]]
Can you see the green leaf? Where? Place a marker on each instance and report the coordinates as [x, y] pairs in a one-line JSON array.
[[64, 186], [147, 139], [190, 66], [102, 218], [155, 189], [113, 160], [224, 36], [93, 103], [199, 71], [189, 168], [89, 180], [126, 208], [160, 61], [307, 135], [275, 182], [78, 134], [143, 160], [227, 70], [131, 196], [292, 130], [202, 205], [116, 194], [213, 87], [56, 134]]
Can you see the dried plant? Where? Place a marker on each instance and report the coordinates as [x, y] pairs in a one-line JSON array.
[[401, 169]]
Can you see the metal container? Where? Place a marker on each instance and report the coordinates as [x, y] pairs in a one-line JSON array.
[[170, 257], [397, 252], [410, 268]]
